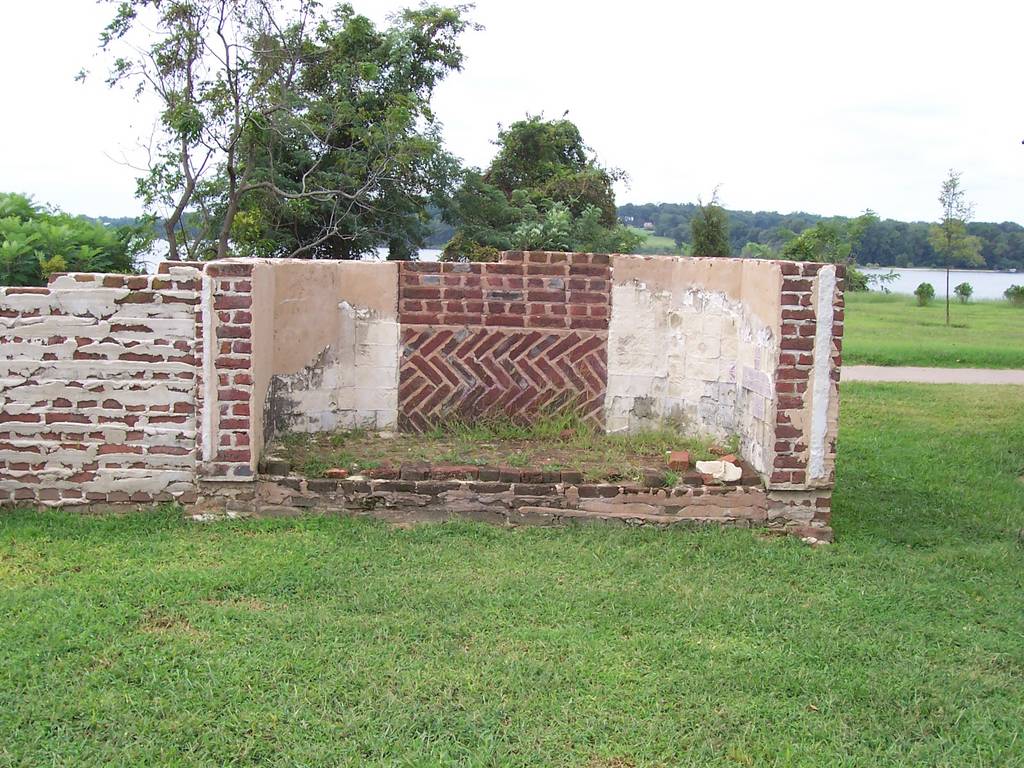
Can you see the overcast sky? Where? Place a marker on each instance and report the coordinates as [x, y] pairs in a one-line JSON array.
[[824, 107]]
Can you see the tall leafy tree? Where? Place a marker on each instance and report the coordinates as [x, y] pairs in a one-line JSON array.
[[710, 228], [285, 131], [543, 190], [950, 237]]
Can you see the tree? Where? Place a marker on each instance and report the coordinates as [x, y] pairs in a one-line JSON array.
[[710, 228], [963, 292], [286, 132], [35, 242], [543, 190], [949, 237], [925, 292], [834, 241]]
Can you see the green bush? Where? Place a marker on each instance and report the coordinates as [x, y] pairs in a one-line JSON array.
[[963, 292], [36, 242], [925, 292], [1015, 294]]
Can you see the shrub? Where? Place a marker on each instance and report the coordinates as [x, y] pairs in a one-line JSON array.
[[35, 242], [925, 292], [855, 279], [963, 292], [1015, 294]]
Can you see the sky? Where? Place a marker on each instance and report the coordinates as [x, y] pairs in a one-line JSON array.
[[826, 107]]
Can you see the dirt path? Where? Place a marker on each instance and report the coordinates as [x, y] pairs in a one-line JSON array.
[[932, 375]]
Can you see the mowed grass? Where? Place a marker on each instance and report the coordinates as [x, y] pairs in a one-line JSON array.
[[892, 330], [146, 640], [655, 243]]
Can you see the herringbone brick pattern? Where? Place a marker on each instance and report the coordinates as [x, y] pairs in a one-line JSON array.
[[468, 371]]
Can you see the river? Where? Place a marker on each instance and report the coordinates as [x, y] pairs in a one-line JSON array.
[[986, 284]]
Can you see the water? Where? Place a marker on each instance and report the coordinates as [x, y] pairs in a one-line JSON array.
[[986, 284]]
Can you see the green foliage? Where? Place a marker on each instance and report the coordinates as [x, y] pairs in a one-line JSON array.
[[36, 242], [1015, 294], [890, 243], [542, 191], [834, 241], [954, 246], [925, 292], [710, 229], [856, 280], [963, 292], [287, 131]]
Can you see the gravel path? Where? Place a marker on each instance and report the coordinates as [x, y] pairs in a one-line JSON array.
[[932, 375]]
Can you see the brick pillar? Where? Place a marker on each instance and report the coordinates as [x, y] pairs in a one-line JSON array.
[[225, 396], [807, 398]]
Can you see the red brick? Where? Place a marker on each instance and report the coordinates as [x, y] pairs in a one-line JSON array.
[[223, 361], [550, 269], [461, 268], [596, 323], [792, 373], [421, 266], [590, 270], [232, 302], [169, 450], [503, 269], [504, 320], [545, 296], [797, 314], [107, 449], [417, 318], [580, 297], [797, 343], [545, 321], [422, 293]]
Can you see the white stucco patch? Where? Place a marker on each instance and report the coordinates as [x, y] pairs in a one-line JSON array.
[[694, 357], [822, 382]]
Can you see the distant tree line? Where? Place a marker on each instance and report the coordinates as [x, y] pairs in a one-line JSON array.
[[885, 242]]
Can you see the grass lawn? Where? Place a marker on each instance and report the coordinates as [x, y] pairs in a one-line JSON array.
[[655, 243], [551, 444], [892, 330], [146, 640]]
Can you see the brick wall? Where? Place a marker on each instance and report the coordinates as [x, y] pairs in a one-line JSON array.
[[226, 377], [97, 389], [526, 334], [121, 388]]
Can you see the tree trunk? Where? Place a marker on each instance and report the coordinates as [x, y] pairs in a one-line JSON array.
[[947, 294], [172, 241]]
